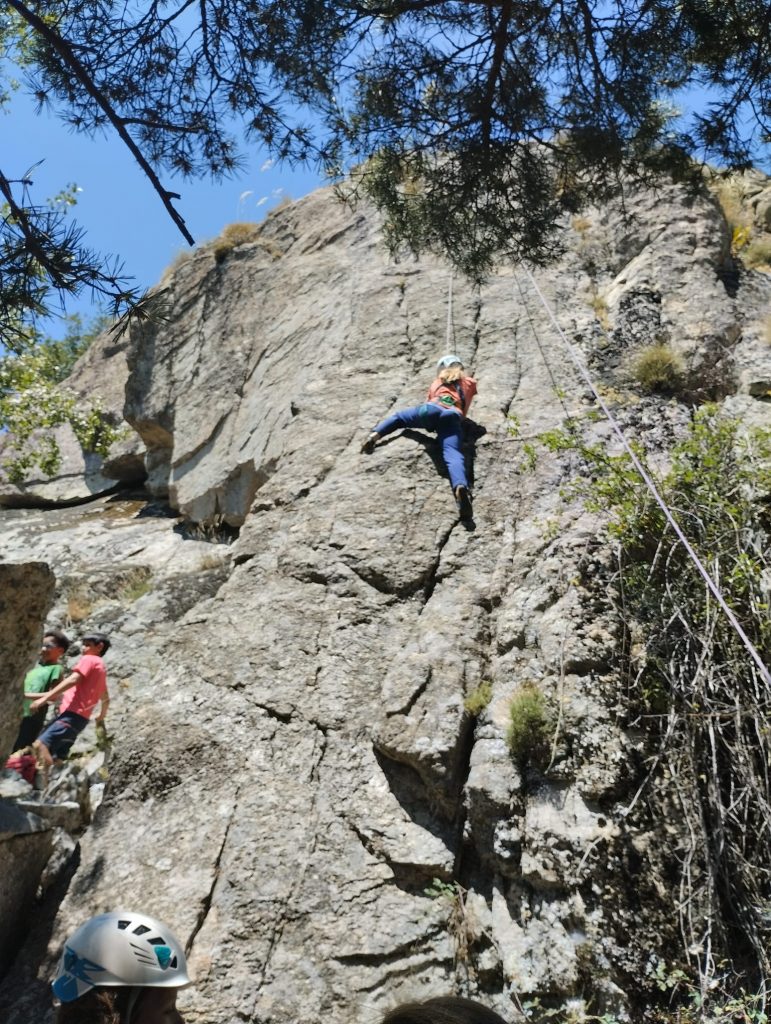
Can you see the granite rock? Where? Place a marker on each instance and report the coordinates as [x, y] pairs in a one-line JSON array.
[[294, 781]]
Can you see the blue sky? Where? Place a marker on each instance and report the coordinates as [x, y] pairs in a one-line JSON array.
[[118, 208]]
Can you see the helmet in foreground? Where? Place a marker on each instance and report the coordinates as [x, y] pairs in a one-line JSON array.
[[449, 360], [121, 948]]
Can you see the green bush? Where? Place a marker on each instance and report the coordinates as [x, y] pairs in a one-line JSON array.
[[479, 698], [696, 690], [35, 400], [531, 724], [658, 368]]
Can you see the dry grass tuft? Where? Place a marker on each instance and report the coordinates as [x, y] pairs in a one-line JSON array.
[[79, 604], [600, 306], [658, 368], [730, 196], [757, 255], [240, 233], [233, 235]]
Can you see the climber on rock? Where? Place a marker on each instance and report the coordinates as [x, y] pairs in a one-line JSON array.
[[121, 968], [41, 678], [444, 412], [83, 689]]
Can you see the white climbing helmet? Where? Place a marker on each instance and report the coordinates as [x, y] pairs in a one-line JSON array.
[[448, 360], [123, 949]]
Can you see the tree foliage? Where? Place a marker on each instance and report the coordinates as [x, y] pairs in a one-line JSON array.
[[471, 123], [43, 255], [33, 402]]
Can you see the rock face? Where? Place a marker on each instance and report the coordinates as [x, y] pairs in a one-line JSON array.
[[25, 846], [26, 594], [294, 783]]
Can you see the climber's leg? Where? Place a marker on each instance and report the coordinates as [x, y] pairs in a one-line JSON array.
[[425, 416], [450, 430]]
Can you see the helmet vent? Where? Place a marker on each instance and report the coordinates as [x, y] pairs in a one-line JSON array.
[[142, 955], [123, 925], [157, 941], [141, 929]]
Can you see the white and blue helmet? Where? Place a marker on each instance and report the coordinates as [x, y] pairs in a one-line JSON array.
[[448, 360], [120, 949]]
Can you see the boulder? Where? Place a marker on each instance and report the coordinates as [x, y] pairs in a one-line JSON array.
[[25, 846], [26, 594]]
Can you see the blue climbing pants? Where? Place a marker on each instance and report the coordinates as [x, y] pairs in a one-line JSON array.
[[447, 423]]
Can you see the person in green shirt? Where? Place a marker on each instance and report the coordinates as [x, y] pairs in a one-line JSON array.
[[41, 678]]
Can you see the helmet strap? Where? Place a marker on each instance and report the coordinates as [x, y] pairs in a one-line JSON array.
[[133, 996]]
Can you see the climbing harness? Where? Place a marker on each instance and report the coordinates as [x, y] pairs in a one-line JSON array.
[[649, 483], [447, 401]]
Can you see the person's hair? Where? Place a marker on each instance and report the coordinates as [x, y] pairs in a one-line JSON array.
[[99, 638], [97, 1006], [443, 1010], [59, 637], [449, 374]]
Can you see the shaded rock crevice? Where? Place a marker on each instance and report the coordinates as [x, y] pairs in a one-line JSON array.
[[394, 956]]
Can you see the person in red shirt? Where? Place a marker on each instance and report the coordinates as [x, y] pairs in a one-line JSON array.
[[447, 405], [83, 689]]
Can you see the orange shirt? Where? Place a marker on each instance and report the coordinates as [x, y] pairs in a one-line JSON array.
[[449, 395], [85, 695]]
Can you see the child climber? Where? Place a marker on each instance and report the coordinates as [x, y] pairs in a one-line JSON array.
[[449, 398]]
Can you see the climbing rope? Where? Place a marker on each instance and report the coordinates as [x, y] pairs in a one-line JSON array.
[[534, 332], [449, 344], [646, 478]]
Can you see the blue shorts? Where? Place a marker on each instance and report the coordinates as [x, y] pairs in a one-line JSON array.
[[62, 733]]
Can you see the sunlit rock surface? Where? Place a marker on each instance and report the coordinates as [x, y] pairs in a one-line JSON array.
[[294, 783]]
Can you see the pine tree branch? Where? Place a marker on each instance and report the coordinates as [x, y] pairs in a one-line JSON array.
[[501, 38], [64, 50]]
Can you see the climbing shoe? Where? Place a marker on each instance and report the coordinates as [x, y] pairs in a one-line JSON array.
[[369, 445], [463, 501]]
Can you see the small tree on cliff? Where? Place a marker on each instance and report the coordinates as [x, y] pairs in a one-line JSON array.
[[33, 402], [473, 122]]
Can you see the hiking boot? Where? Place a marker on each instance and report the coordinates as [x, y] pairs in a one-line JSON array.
[[369, 445], [463, 501]]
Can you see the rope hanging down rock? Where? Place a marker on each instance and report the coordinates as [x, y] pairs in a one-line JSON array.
[[713, 587], [450, 333]]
